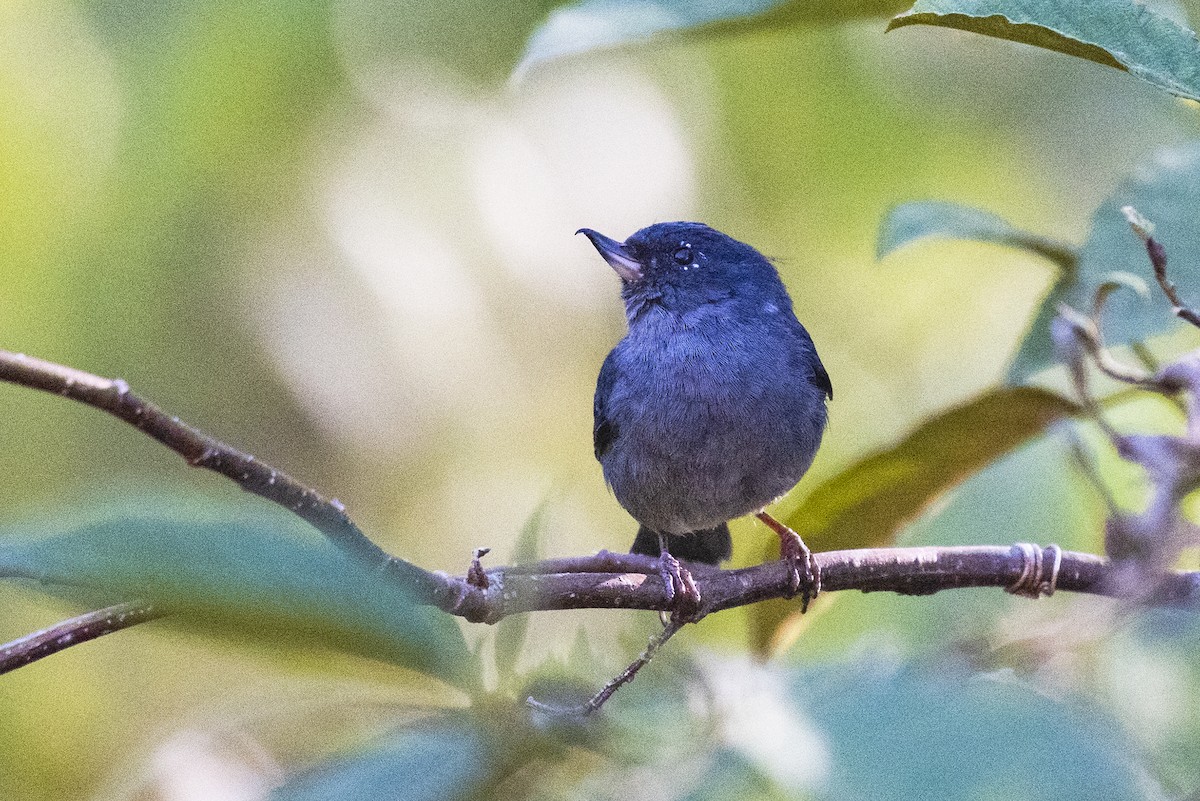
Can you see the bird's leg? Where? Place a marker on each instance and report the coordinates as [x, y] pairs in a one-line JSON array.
[[793, 551], [681, 589]]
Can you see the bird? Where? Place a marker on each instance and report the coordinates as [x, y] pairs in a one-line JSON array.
[[714, 403]]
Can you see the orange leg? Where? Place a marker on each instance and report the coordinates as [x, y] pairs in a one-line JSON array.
[[795, 553]]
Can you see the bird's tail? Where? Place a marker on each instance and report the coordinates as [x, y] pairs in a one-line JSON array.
[[711, 545]]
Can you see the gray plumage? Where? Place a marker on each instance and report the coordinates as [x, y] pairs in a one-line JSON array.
[[713, 405]]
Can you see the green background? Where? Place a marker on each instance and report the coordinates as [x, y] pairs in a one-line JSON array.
[[339, 236]]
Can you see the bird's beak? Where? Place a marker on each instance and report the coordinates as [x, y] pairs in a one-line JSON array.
[[615, 253]]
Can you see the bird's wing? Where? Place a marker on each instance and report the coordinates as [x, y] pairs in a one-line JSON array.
[[820, 377], [604, 430]]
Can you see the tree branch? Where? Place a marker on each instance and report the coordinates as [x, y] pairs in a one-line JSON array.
[[590, 582], [908, 571], [198, 449], [77, 630], [604, 581]]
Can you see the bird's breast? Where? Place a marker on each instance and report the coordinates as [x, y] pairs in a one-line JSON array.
[[715, 422]]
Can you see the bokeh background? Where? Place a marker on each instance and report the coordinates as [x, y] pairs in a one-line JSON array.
[[339, 236]]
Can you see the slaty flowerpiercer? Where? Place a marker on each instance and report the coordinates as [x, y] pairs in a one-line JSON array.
[[713, 405]]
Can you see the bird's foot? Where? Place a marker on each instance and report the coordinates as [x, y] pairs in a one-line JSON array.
[[803, 569], [805, 574], [682, 593]]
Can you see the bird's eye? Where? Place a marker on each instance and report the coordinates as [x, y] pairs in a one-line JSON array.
[[682, 256]]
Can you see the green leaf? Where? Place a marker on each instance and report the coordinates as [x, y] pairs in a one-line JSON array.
[[255, 578], [1036, 351], [1123, 34], [603, 24], [511, 630], [923, 219], [869, 503], [1166, 190], [939, 731], [444, 759]]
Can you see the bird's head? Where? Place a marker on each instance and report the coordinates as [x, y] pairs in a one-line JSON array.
[[681, 266]]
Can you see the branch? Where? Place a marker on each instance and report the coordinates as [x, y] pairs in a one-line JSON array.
[[603, 581], [908, 571], [75, 631], [1073, 332], [1158, 260], [198, 449], [593, 704], [630, 581]]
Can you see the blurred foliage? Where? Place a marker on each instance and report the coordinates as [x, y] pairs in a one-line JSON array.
[[867, 504], [511, 631], [863, 729], [598, 24], [1165, 188], [1129, 36], [870, 503], [922, 219], [335, 235], [430, 762], [1155, 46], [258, 579]]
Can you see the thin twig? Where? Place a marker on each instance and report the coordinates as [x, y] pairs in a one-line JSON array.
[[77, 630], [1088, 335], [1144, 355], [598, 700], [1076, 337], [200, 450], [1158, 260], [1151, 363]]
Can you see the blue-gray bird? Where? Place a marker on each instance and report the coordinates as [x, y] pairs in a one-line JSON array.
[[713, 405]]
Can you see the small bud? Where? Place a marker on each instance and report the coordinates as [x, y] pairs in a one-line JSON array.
[[1140, 225]]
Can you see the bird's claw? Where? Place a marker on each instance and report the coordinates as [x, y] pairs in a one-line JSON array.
[[682, 593], [802, 569]]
